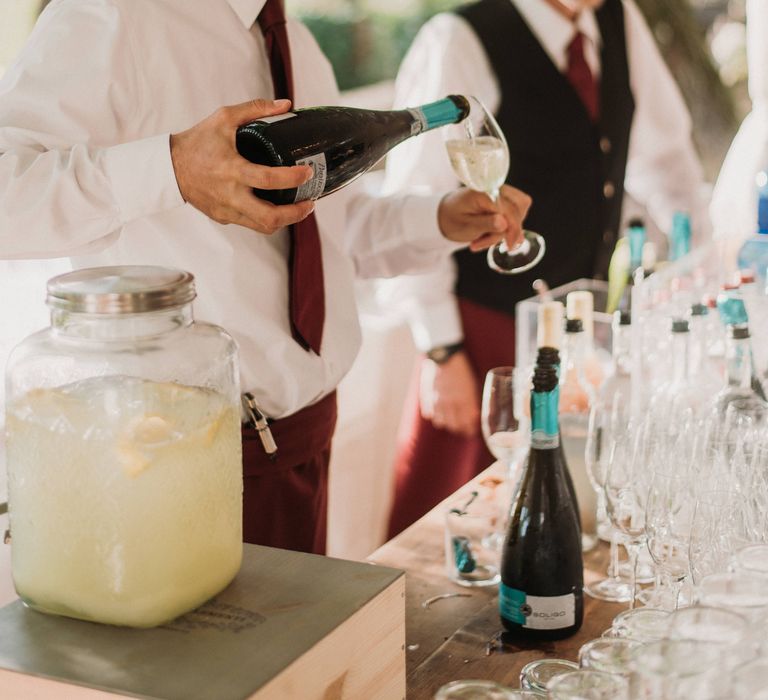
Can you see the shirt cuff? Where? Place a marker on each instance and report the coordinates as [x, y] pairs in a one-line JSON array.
[[419, 217], [436, 325], [142, 177]]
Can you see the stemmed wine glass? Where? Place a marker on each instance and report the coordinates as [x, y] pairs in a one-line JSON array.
[[479, 156], [668, 520], [626, 490], [604, 422], [501, 420]]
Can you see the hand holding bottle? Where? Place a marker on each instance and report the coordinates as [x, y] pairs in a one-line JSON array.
[[215, 179], [468, 216]]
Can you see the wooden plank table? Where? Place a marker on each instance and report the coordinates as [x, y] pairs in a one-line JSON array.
[[455, 638]]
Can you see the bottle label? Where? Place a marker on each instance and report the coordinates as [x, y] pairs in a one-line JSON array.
[[276, 118], [314, 187], [419, 122], [537, 612], [544, 431]]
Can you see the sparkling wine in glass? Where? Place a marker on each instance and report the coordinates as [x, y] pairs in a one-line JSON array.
[[479, 156]]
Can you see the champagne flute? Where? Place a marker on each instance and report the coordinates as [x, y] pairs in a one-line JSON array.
[[500, 419], [479, 156], [500, 422], [604, 422]]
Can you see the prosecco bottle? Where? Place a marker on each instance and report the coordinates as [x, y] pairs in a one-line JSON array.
[[340, 143], [540, 595]]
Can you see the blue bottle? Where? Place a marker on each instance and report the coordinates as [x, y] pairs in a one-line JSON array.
[[680, 236], [753, 254]]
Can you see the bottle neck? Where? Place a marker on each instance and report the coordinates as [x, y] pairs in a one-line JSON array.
[[436, 114], [636, 235], [739, 357], [622, 350], [120, 327], [573, 355], [680, 343], [699, 344], [545, 431]]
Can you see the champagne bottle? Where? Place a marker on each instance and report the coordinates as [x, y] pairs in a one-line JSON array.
[[580, 305], [340, 143], [576, 399], [540, 596]]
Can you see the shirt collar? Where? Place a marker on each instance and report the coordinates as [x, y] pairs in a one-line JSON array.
[[555, 31], [247, 10]]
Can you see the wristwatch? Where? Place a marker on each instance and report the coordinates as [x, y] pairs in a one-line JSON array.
[[442, 353]]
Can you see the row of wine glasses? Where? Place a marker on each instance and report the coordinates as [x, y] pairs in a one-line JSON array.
[[691, 496]]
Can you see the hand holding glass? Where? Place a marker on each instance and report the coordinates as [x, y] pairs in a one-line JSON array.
[[479, 156]]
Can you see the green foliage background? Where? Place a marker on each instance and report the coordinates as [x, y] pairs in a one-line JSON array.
[[366, 47]]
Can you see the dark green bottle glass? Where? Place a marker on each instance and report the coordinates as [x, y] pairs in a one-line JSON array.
[[542, 571]]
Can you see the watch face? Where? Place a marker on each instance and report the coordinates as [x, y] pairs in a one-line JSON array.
[[438, 355]]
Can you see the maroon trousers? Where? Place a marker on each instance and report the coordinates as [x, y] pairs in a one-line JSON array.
[[431, 463], [285, 501]]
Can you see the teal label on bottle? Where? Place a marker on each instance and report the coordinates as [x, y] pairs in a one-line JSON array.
[[434, 114], [537, 612], [545, 434]]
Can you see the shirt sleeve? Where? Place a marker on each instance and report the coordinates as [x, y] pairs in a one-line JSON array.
[[663, 170], [65, 189], [446, 58]]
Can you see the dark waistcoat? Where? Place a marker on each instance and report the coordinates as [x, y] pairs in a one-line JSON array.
[[572, 168]]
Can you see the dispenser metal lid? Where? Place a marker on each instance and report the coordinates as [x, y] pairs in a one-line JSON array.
[[124, 289]]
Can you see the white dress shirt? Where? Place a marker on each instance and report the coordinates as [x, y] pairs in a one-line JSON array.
[[734, 198], [663, 170], [85, 172]]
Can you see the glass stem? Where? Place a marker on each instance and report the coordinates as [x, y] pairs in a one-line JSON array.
[[633, 549], [613, 567], [678, 587]]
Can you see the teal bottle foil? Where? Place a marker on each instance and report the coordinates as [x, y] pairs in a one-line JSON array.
[[540, 595], [680, 237]]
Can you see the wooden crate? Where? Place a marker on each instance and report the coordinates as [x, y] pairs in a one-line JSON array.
[[290, 625]]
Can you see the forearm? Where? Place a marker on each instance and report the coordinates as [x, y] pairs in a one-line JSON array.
[[395, 235], [57, 202]]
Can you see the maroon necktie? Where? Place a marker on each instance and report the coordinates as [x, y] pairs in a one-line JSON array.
[[307, 292], [581, 77]]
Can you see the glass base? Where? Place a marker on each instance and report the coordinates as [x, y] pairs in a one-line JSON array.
[[645, 572], [610, 589], [604, 530], [523, 258], [481, 576]]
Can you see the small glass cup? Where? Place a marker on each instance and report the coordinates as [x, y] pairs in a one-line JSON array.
[[679, 668], [749, 680], [716, 626], [642, 625], [752, 559], [588, 685], [705, 624], [478, 690], [536, 674], [469, 527], [745, 594], [609, 655]]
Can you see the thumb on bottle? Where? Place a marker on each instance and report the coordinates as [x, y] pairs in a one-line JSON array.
[[255, 109]]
